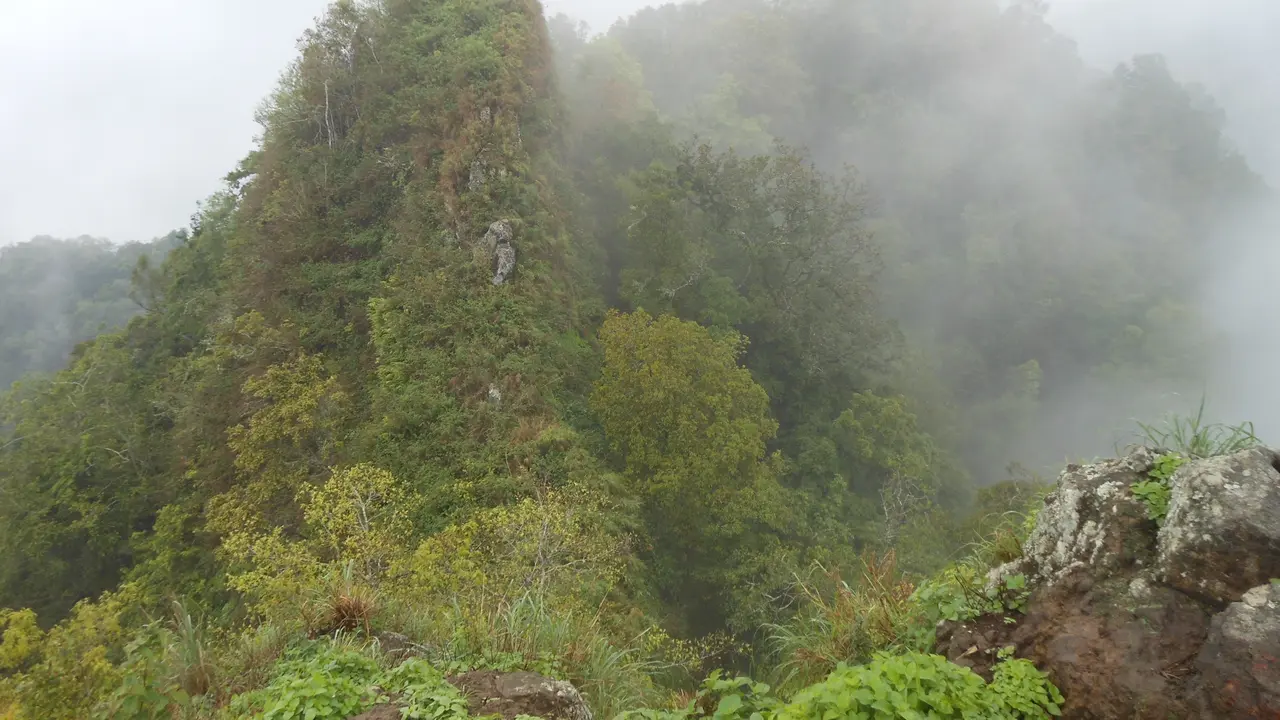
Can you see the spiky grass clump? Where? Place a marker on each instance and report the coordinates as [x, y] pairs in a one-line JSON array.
[[1195, 438], [843, 623]]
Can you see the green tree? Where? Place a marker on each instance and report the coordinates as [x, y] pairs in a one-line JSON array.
[[690, 426]]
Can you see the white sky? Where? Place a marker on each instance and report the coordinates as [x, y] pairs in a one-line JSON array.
[[117, 117]]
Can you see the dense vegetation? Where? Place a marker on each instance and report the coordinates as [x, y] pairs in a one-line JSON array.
[[723, 369], [55, 294]]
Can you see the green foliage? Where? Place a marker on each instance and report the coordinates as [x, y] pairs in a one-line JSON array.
[[963, 592], [690, 426], [320, 681], [917, 685], [66, 671], [909, 685], [330, 421], [424, 692], [1155, 491], [842, 623]]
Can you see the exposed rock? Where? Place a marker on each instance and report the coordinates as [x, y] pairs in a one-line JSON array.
[[1240, 662], [1117, 649], [521, 693], [1091, 521], [1222, 534], [505, 263], [498, 239], [394, 644], [1124, 615], [499, 233], [479, 175], [380, 712]]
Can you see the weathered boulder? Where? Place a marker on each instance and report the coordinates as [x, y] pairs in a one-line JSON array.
[[1239, 664], [479, 175], [1222, 534], [380, 712], [521, 693], [1091, 521], [394, 645], [1135, 620], [504, 260], [1116, 649], [498, 239], [499, 233]]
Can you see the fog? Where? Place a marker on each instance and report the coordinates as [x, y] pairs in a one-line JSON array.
[[118, 118], [1229, 47]]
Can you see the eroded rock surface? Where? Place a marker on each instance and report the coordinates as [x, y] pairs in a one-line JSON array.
[[1131, 619], [1092, 522], [1222, 535], [499, 241], [521, 693], [1239, 664]]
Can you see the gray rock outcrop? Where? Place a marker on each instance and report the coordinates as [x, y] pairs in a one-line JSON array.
[[1136, 619], [522, 693], [1089, 522], [1239, 664], [499, 241], [1222, 534]]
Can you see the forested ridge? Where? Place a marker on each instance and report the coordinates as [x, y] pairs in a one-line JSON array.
[[56, 293], [713, 341]]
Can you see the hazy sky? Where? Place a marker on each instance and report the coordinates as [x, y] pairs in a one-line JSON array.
[[116, 118]]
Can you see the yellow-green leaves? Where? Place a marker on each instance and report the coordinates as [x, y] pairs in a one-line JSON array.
[[20, 638], [553, 546], [363, 514], [357, 524], [685, 417]]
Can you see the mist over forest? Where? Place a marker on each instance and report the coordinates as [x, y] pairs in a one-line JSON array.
[[1016, 232], [727, 333]]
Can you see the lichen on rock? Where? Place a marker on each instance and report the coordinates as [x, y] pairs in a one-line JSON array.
[[1239, 664], [1135, 620], [1222, 534], [1088, 522]]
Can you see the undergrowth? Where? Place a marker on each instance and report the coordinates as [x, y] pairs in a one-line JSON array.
[[907, 685]]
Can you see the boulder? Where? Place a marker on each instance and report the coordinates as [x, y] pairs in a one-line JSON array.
[[498, 239], [521, 693], [395, 645], [499, 233], [1239, 664], [380, 712], [1135, 620], [1091, 522], [504, 260], [1222, 533]]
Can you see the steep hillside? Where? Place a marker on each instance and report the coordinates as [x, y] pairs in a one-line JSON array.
[[340, 301], [479, 364]]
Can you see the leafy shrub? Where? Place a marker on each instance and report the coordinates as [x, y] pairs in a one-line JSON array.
[[919, 685], [1155, 492], [318, 681], [962, 592], [65, 672], [424, 692]]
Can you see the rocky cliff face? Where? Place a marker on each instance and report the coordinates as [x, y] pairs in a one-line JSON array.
[[1135, 618]]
